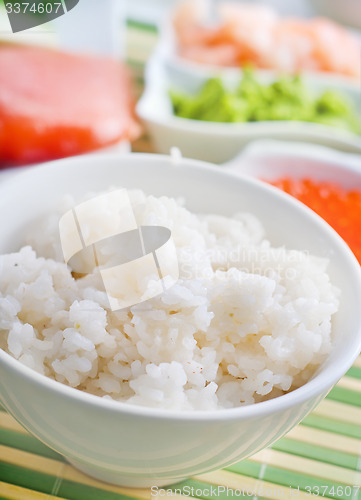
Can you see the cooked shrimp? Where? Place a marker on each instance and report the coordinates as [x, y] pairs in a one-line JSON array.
[[255, 34], [218, 55]]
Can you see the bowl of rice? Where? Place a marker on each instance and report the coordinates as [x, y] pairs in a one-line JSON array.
[[258, 325]]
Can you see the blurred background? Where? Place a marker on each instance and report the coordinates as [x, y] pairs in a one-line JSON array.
[[129, 30], [261, 90]]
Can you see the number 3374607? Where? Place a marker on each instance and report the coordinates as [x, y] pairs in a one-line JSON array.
[[334, 491], [33, 7]]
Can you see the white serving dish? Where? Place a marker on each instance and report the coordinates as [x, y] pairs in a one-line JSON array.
[[136, 446], [219, 142], [271, 160], [342, 11], [167, 50]]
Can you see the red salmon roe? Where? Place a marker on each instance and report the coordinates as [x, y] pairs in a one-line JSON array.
[[340, 207]]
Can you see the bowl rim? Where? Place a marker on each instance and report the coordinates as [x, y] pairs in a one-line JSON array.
[[314, 388]]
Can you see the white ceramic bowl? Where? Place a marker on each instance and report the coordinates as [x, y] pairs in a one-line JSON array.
[[219, 142], [271, 160], [137, 446]]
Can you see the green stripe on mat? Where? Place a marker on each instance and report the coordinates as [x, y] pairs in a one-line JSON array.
[[77, 491], [131, 23], [331, 425], [45, 483], [26, 442], [287, 478], [28, 478], [354, 372], [319, 453], [347, 396], [246, 467]]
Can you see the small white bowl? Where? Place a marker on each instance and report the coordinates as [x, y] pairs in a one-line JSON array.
[[271, 160], [136, 446], [219, 142]]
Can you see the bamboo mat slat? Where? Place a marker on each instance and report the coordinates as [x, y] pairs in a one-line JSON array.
[[322, 455], [357, 364]]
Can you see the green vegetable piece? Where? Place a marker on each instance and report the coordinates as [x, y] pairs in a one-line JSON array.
[[286, 99]]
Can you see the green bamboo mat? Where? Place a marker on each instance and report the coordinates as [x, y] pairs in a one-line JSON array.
[[321, 457]]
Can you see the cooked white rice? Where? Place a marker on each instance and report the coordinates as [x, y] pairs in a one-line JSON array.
[[244, 323]]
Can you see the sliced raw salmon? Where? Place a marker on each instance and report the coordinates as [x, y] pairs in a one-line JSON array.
[[54, 104]]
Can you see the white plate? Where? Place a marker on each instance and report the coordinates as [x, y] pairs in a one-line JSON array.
[[219, 142]]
